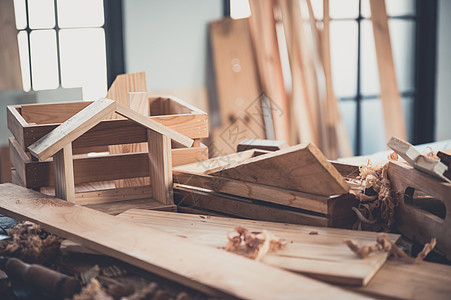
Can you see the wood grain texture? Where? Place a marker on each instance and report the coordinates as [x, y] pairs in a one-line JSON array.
[[154, 125], [5, 165], [301, 168], [160, 167], [238, 90], [390, 97], [264, 37], [45, 113], [413, 221], [10, 72], [124, 84], [209, 270], [64, 173], [323, 256], [269, 145], [72, 128], [424, 280]]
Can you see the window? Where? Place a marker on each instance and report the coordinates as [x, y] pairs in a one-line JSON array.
[[62, 44]]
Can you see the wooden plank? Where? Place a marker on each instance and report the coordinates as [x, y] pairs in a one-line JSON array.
[[160, 166], [339, 143], [423, 280], [5, 165], [238, 90], [15, 122], [10, 72], [64, 174], [390, 97], [72, 128], [18, 158], [269, 145], [183, 156], [323, 256], [417, 160], [124, 84], [330, 206], [301, 168], [413, 221], [45, 113], [264, 37], [153, 125], [209, 270], [114, 208]]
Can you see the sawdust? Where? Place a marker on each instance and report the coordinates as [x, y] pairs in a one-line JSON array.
[[253, 245], [383, 243], [51, 202], [376, 209], [30, 243], [93, 291]]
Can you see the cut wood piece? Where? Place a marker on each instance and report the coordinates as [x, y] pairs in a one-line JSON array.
[[391, 99], [160, 167], [269, 145], [64, 173], [124, 84], [421, 162], [72, 128], [238, 90], [419, 281], [10, 72], [264, 37], [153, 125], [301, 168], [323, 255], [209, 270]]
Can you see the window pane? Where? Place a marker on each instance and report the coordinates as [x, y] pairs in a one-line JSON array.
[[343, 45], [373, 129], [407, 107], [348, 116], [19, 11], [394, 7], [83, 61], [339, 9], [239, 9], [80, 13], [22, 39], [402, 36], [41, 14], [43, 59], [368, 63]]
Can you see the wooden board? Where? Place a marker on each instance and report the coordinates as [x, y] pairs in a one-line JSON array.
[[323, 256], [72, 128], [264, 37], [10, 72], [209, 270], [302, 168], [238, 90], [391, 99], [398, 280], [124, 84]]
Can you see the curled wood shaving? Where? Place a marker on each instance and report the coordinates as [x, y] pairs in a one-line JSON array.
[[383, 243], [30, 243], [93, 291], [253, 245], [376, 209]]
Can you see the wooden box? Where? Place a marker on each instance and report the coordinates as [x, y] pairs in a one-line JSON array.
[[94, 167], [196, 191]]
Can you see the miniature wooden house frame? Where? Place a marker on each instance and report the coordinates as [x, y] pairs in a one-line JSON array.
[[58, 144]]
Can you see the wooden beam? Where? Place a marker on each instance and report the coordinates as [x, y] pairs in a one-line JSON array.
[[64, 173], [72, 128], [209, 270], [153, 125], [160, 167], [390, 97], [268, 145], [301, 168]]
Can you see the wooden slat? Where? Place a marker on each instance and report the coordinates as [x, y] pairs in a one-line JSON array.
[[237, 85], [51, 113], [183, 156], [10, 72], [391, 99], [160, 167], [64, 174], [5, 165], [16, 123], [124, 84], [72, 128], [323, 255], [301, 168], [210, 270], [264, 36], [153, 125], [18, 159]]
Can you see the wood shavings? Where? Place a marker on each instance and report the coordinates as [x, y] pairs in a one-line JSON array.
[[253, 245], [30, 243], [376, 209], [383, 243], [93, 291], [393, 156]]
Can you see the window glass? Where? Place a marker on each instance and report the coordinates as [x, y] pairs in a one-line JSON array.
[[44, 63], [80, 13], [22, 39], [41, 14]]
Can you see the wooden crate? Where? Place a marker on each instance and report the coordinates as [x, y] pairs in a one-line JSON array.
[[197, 191], [28, 123]]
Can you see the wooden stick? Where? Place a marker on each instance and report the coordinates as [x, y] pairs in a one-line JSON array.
[[64, 174]]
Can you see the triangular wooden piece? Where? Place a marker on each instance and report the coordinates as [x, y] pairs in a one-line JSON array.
[[302, 168]]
